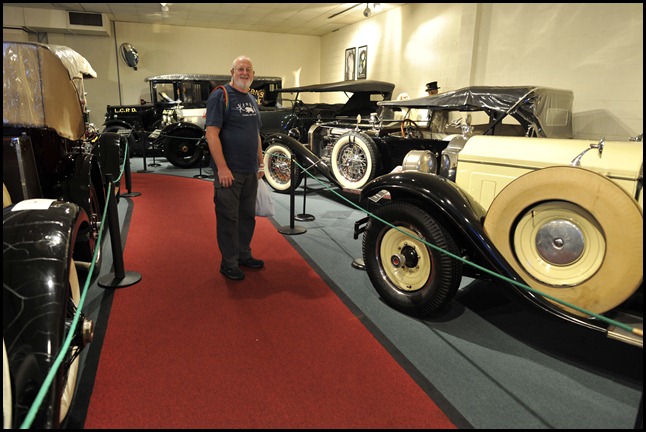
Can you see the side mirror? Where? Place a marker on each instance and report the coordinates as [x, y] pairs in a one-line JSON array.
[[129, 55]]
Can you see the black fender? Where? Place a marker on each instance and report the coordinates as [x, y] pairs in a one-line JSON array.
[[132, 139], [107, 149], [463, 217], [460, 214], [172, 128], [184, 144], [304, 156], [118, 122], [168, 130], [79, 173], [38, 249]]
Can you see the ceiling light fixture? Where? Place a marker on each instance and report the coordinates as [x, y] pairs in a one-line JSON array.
[[367, 11]]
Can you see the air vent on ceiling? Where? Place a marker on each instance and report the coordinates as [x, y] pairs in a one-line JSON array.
[[86, 19], [59, 21], [86, 23]]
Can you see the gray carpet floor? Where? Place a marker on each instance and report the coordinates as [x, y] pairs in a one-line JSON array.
[[490, 362]]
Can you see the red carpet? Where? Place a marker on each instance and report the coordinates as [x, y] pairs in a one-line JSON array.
[[187, 348]]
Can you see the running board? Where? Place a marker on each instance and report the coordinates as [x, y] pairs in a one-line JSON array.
[[625, 336]]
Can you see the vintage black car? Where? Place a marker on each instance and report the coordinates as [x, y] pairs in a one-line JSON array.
[[54, 185], [557, 220], [351, 152], [291, 120], [175, 115], [293, 116]]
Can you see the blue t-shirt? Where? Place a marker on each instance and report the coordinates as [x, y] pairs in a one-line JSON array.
[[239, 128]]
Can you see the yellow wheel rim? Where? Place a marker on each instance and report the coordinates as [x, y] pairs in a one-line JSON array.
[[406, 260]]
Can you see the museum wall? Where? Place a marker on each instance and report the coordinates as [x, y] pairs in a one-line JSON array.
[[596, 50]]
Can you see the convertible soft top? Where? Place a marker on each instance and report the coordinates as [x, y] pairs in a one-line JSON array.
[[38, 89], [366, 86], [548, 108]]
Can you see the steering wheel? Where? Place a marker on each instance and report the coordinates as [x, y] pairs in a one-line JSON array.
[[300, 105], [410, 129]]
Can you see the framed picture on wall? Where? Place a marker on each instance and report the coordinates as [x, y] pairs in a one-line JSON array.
[[350, 62], [362, 62]]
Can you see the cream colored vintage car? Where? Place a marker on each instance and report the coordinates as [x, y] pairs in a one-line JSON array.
[[559, 220]]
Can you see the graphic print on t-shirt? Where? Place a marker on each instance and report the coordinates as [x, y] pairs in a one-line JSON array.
[[246, 109]]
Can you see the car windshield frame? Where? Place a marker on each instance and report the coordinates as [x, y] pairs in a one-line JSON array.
[[359, 93]]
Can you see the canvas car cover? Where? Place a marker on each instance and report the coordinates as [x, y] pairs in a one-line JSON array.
[[548, 108], [38, 90]]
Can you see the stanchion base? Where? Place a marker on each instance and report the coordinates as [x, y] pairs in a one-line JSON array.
[[131, 194], [202, 176], [292, 231], [154, 164], [145, 171], [109, 280], [359, 264], [304, 217]]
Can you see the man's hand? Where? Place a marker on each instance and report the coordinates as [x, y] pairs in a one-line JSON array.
[[225, 177]]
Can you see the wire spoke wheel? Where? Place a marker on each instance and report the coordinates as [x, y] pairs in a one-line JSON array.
[[354, 160], [278, 167]]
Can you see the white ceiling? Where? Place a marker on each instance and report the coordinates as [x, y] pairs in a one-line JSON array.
[[311, 19]]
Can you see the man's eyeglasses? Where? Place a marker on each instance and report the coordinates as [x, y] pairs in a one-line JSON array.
[[241, 70]]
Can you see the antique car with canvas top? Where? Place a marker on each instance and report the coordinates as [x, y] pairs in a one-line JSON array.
[[352, 152], [54, 195], [558, 221], [173, 122]]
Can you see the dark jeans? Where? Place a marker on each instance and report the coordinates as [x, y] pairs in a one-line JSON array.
[[235, 216]]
